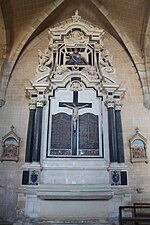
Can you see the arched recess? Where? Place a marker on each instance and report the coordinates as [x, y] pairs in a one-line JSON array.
[[46, 19], [135, 56], [2, 38], [147, 52], [5, 40], [16, 51], [4, 47]]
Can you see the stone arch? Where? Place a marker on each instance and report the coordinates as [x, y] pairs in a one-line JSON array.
[[3, 42], [4, 46], [123, 39], [12, 59], [146, 51], [136, 57]]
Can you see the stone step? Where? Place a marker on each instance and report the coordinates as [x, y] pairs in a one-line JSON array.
[[73, 222], [81, 221], [55, 223]]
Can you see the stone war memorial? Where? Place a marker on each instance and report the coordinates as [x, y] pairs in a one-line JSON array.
[[75, 120]]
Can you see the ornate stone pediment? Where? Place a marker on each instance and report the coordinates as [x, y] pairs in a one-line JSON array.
[[75, 48]]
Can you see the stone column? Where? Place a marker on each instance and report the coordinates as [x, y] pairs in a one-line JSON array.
[[112, 132], [37, 132], [30, 133], [119, 136]]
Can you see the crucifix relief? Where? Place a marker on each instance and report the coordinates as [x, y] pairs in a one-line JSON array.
[[74, 127], [75, 115], [75, 106]]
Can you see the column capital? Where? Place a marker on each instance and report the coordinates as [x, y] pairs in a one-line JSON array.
[[118, 106], [40, 104], [110, 103], [32, 105], [40, 101]]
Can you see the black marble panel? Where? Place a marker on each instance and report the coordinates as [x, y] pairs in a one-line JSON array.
[[61, 134], [25, 178], [124, 178], [88, 134]]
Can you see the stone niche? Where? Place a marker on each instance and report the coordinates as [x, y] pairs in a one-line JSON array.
[[138, 146], [10, 144], [74, 81]]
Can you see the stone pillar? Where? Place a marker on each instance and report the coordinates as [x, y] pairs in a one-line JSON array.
[[119, 136], [30, 134], [37, 132], [112, 132]]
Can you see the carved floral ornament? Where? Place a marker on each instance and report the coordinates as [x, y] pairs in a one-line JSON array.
[[75, 48], [138, 147], [10, 144], [74, 33]]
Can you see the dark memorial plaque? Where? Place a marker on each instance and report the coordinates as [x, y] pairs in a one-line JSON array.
[[61, 134], [88, 134]]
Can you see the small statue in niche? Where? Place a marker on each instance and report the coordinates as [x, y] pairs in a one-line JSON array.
[[45, 59], [10, 145], [76, 58]]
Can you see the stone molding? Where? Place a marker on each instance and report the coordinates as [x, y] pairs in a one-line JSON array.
[[51, 74]]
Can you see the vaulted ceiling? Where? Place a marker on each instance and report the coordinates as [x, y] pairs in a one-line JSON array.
[[125, 20]]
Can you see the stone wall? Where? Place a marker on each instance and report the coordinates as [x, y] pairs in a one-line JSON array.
[[15, 112]]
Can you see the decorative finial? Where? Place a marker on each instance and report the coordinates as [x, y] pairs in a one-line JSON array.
[[137, 130], [12, 128], [76, 17], [76, 13]]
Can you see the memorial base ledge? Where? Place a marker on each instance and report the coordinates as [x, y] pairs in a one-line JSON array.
[[32, 165], [68, 192], [117, 166], [76, 196]]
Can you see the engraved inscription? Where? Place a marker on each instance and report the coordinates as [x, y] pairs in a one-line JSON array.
[[88, 134], [61, 134]]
